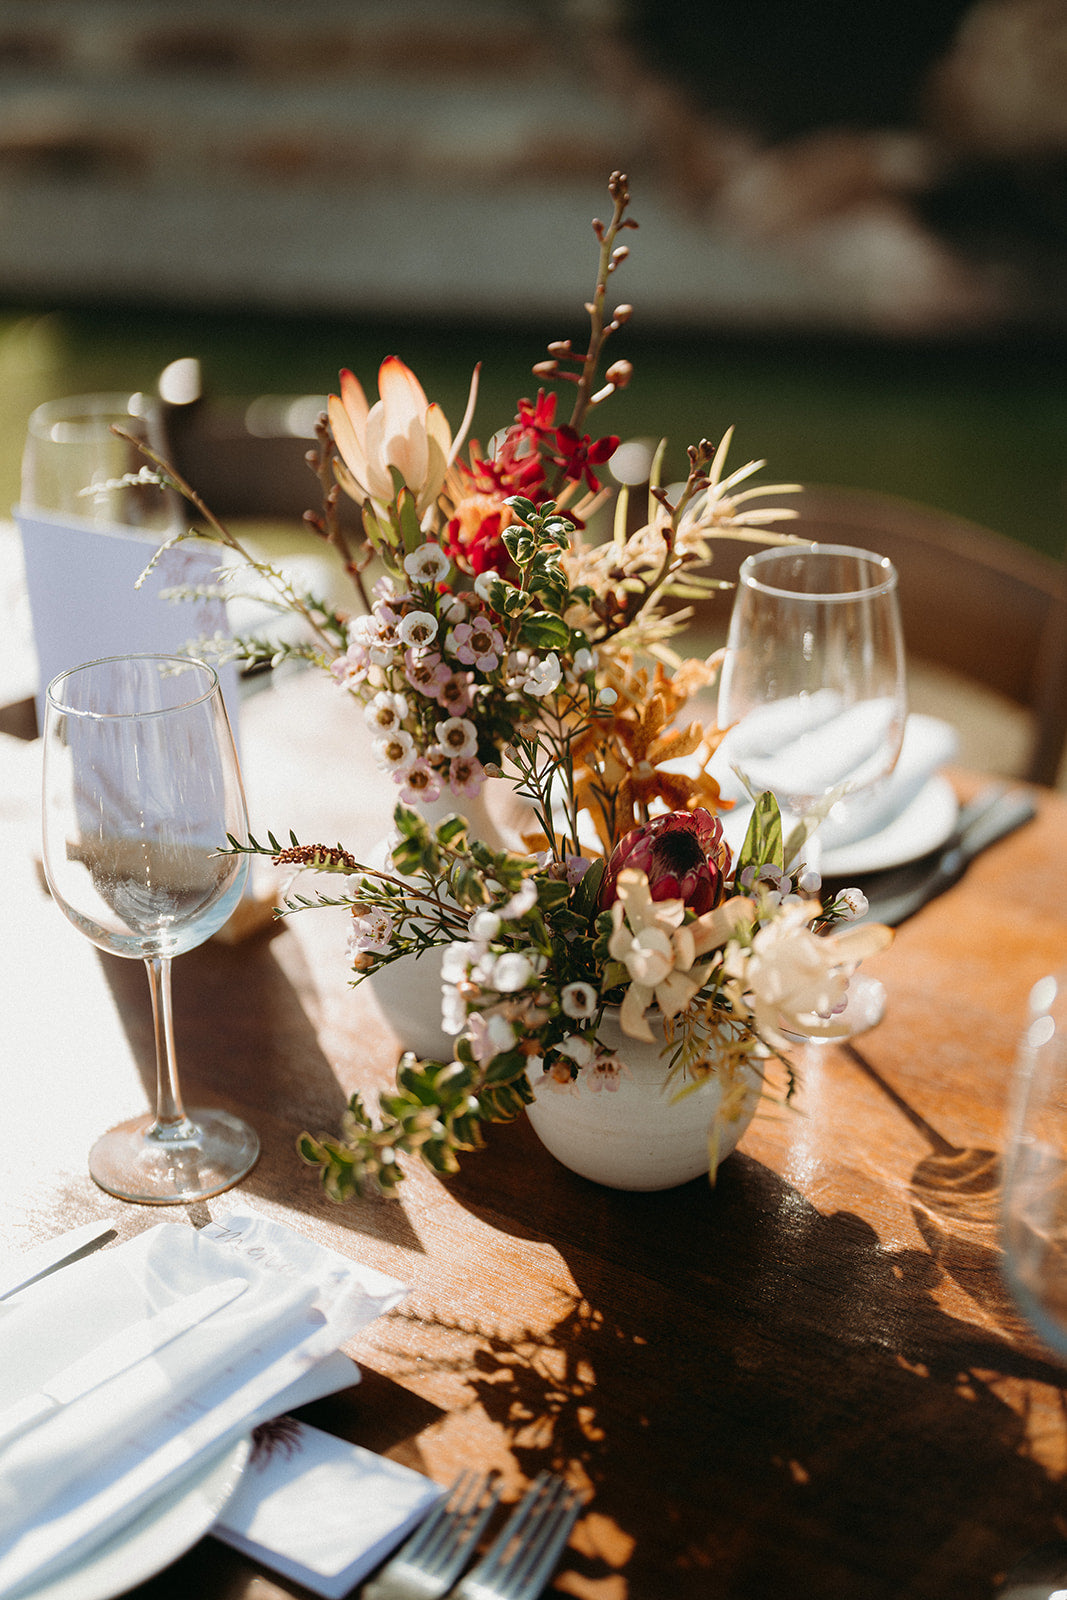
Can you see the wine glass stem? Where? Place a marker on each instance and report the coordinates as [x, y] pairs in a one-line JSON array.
[[171, 1120]]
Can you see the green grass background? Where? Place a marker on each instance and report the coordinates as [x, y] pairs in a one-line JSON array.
[[975, 429]]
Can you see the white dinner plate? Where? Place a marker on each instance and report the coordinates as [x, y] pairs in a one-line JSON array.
[[924, 824], [161, 1533]]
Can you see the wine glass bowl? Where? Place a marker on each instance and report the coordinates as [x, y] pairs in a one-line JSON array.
[[75, 465], [812, 682], [812, 695], [141, 789]]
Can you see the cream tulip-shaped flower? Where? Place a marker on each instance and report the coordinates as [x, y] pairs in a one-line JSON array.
[[659, 949], [402, 429]]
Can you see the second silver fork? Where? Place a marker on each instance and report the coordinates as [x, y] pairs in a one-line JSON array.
[[427, 1566], [520, 1562]]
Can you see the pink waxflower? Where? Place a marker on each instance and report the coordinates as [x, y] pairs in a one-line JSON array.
[[477, 644], [420, 782], [466, 776], [425, 671], [682, 854], [453, 691]]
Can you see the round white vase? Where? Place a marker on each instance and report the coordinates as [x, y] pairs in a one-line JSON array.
[[408, 991], [640, 1135]]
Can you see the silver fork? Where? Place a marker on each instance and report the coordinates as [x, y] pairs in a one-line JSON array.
[[427, 1566], [521, 1560]]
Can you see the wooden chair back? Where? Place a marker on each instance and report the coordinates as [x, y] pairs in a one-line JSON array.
[[971, 600]]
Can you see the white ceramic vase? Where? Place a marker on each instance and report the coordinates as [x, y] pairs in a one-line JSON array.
[[408, 991], [639, 1135]]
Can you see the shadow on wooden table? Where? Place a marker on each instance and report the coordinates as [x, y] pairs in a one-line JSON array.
[[246, 1037], [786, 1405]]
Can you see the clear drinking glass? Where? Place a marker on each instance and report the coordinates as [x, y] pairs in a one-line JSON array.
[[812, 690], [141, 787], [73, 464], [812, 684], [1034, 1196]]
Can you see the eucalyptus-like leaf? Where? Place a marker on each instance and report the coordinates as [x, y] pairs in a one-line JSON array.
[[763, 846]]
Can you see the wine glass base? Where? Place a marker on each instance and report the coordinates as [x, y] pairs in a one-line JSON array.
[[206, 1154]]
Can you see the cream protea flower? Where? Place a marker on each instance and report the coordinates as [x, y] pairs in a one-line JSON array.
[[402, 430]]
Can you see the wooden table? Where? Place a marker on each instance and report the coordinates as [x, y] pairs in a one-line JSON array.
[[808, 1381]]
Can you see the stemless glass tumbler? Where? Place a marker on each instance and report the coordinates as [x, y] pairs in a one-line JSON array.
[[141, 788]]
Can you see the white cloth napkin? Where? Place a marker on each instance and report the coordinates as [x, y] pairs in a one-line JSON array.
[[927, 745], [98, 1461]]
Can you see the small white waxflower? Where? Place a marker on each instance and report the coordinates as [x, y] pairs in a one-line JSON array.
[[483, 583], [579, 1001], [543, 677], [501, 1033], [524, 899], [457, 736], [385, 711], [512, 971], [395, 750], [855, 903], [458, 958], [453, 1010], [579, 1050], [418, 629], [371, 932], [607, 697], [484, 925], [428, 564]]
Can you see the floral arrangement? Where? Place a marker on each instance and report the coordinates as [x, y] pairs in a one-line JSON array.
[[502, 636]]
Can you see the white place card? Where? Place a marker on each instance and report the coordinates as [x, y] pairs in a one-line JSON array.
[[320, 1511], [81, 577]]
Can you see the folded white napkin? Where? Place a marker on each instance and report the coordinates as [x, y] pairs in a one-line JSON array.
[[927, 745], [95, 1463], [807, 746], [322, 1511]]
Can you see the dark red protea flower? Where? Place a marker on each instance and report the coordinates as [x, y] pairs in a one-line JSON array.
[[683, 855]]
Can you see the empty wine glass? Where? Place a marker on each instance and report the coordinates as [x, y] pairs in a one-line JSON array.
[[1034, 1200], [75, 465], [812, 692], [1033, 1218], [141, 788]]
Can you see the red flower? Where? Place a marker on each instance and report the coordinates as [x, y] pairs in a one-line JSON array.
[[578, 454], [683, 855], [472, 536]]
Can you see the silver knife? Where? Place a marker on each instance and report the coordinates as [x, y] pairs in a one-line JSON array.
[[116, 1355], [34, 1263], [978, 829]]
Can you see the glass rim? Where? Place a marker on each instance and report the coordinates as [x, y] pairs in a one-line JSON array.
[[749, 575], [84, 410], [182, 662]]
